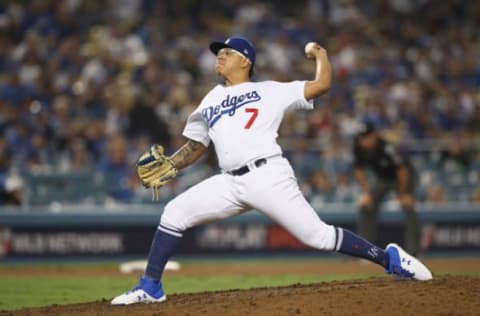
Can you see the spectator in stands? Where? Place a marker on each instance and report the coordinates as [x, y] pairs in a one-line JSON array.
[[436, 195], [345, 190], [11, 186], [321, 189], [11, 190], [391, 172], [77, 158], [118, 169], [64, 65], [475, 198]]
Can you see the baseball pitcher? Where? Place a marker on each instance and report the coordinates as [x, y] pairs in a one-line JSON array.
[[242, 118]]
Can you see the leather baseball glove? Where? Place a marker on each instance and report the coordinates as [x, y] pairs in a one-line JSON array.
[[155, 169]]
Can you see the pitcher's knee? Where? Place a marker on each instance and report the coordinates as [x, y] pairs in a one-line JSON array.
[[173, 217], [322, 238]]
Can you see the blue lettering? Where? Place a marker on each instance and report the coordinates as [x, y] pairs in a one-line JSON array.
[[230, 104], [233, 103], [225, 103], [207, 113]]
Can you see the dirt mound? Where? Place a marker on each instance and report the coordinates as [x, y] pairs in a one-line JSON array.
[[446, 295]]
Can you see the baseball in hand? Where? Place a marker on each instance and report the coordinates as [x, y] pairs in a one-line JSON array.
[[310, 48]]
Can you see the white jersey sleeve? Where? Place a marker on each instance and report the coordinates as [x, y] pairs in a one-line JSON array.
[[293, 93], [196, 128]]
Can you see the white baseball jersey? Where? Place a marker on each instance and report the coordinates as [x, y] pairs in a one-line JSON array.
[[242, 121]]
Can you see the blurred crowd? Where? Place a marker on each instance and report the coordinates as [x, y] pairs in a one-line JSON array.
[[88, 85]]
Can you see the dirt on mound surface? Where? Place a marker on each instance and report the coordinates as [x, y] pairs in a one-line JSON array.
[[447, 295]]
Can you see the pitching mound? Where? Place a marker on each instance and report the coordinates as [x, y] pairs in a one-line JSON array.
[[446, 295]]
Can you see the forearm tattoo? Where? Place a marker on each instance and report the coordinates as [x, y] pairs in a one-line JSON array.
[[187, 154]]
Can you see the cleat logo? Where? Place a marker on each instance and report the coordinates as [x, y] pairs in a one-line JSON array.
[[373, 252]]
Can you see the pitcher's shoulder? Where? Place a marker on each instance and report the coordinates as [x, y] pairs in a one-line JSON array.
[[267, 84], [212, 93]]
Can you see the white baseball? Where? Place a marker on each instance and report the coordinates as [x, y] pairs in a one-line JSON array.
[[309, 48]]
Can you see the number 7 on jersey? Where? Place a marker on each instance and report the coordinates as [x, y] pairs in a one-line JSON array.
[[252, 119]]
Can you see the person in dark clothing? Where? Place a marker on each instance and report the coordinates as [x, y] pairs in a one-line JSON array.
[[144, 120], [391, 172]]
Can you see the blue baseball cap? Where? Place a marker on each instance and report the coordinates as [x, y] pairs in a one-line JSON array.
[[238, 43]]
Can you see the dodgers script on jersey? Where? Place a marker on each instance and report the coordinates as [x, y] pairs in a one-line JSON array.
[[243, 120]]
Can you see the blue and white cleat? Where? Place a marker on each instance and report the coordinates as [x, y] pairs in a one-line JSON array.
[[147, 291], [406, 266]]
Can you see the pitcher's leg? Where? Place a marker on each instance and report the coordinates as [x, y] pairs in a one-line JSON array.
[[280, 199], [162, 248], [296, 215], [206, 201]]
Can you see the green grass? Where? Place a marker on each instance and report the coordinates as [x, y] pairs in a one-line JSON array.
[[19, 292], [201, 284]]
